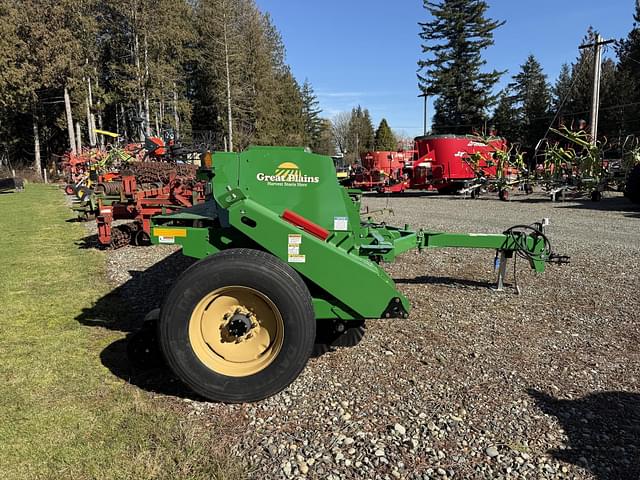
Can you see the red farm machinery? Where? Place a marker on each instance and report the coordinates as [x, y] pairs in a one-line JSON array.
[[381, 171], [446, 163], [123, 187], [450, 163], [150, 189]]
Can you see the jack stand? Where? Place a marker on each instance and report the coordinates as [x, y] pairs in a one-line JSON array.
[[502, 271]]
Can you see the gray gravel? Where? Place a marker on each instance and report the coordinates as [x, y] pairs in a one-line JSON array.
[[476, 384]]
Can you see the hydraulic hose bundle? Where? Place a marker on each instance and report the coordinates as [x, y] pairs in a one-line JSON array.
[[519, 235]]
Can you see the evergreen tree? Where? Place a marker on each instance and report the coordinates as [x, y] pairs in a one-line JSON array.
[[46, 63], [311, 113], [385, 140], [561, 91], [145, 46], [453, 41], [246, 90], [17, 95], [531, 99], [628, 78], [289, 125], [361, 137], [215, 65], [505, 117]]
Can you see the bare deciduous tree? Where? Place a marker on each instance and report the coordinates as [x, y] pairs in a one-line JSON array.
[[340, 125]]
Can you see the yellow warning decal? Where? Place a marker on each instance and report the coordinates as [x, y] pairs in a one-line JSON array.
[[169, 232]]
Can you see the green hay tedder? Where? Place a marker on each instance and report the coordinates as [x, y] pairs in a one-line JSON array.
[[287, 262]]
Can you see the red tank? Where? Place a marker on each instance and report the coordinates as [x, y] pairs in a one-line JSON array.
[[388, 162], [444, 161], [382, 171]]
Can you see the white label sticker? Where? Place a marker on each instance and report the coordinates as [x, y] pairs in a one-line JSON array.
[[340, 224], [170, 240], [294, 249], [293, 258], [295, 239]]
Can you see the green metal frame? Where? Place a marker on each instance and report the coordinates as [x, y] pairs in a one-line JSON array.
[[252, 190]]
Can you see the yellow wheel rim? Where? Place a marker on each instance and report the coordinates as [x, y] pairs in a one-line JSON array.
[[236, 331]]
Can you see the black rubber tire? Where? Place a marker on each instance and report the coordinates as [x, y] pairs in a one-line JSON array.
[[632, 187], [249, 268], [141, 239], [84, 193]]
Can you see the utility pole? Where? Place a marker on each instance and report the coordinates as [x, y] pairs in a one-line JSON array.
[[597, 73], [424, 95]]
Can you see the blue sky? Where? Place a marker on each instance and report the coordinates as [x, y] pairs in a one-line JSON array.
[[365, 52]]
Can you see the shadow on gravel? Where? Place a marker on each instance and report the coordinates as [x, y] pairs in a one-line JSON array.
[[534, 200], [123, 309], [616, 204], [412, 194], [456, 282], [603, 430]]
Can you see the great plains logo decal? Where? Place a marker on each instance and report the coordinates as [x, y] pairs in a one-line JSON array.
[[287, 174]]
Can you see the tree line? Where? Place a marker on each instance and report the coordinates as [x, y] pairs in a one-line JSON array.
[[452, 70], [69, 67]]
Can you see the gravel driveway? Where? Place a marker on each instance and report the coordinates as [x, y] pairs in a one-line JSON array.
[[476, 384]]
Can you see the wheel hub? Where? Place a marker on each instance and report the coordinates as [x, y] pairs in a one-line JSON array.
[[236, 331], [239, 325]]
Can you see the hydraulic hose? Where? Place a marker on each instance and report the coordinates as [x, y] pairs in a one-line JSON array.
[[519, 235]]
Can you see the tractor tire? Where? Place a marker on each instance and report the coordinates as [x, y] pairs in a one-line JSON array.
[[632, 188], [238, 326], [70, 190]]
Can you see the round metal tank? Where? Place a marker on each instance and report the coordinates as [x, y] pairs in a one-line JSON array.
[[447, 154]]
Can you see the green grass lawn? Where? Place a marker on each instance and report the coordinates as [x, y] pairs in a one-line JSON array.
[[62, 413]]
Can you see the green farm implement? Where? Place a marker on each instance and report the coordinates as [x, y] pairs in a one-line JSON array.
[[285, 262]]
